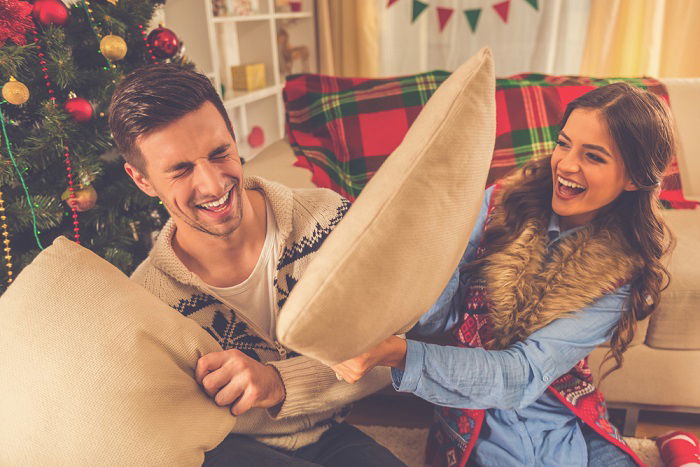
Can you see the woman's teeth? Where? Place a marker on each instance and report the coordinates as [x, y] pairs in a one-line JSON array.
[[217, 203], [570, 184]]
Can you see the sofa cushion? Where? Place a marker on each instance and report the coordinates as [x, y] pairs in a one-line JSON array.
[[392, 254], [342, 129], [95, 370], [650, 376], [676, 322]]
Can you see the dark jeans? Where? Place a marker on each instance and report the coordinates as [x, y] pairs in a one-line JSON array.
[[602, 453], [342, 445]]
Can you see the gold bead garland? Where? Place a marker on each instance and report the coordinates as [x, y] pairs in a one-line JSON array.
[[6, 240]]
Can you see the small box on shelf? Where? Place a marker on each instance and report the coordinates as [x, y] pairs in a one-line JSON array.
[[293, 6], [248, 77], [235, 7]]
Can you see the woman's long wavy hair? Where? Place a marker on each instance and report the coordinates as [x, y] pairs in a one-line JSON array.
[[642, 127]]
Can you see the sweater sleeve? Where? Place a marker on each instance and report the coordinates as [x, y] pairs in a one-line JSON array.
[[312, 387]]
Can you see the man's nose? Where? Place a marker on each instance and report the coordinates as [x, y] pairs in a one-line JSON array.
[[208, 180]]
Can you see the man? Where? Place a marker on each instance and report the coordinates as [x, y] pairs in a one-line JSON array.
[[228, 258]]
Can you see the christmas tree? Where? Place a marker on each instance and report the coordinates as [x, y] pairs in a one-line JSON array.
[[59, 173]]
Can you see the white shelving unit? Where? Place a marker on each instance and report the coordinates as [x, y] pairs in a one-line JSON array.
[[216, 43]]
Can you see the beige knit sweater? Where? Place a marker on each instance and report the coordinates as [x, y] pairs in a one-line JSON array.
[[315, 399]]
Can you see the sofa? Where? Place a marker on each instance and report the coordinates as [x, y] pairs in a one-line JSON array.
[[662, 367]]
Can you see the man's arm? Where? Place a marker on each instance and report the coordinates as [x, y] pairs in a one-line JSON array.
[[296, 386], [312, 386], [232, 378]]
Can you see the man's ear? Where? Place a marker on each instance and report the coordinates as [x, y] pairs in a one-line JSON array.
[[140, 180]]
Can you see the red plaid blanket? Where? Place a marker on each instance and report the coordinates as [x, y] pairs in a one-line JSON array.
[[342, 129]]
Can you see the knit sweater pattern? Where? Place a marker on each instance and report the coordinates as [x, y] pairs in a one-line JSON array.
[[315, 399]]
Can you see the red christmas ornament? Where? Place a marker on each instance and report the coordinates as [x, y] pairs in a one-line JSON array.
[[15, 21], [50, 12], [164, 42], [79, 108]]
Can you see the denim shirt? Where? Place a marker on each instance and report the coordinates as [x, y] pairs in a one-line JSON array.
[[524, 423]]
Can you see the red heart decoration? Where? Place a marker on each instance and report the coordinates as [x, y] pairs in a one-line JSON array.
[[256, 138]]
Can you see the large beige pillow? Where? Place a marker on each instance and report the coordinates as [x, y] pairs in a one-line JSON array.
[[95, 370], [390, 257]]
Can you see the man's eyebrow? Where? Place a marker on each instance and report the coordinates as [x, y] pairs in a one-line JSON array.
[[220, 149], [588, 146], [184, 165]]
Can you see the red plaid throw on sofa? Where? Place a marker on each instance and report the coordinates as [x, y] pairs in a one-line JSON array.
[[342, 129]]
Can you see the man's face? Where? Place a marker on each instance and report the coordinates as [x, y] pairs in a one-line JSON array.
[[193, 166]]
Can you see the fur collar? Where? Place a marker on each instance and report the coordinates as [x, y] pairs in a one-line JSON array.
[[529, 287]]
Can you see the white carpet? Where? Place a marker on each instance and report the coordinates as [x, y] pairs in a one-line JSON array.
[[408, 444]]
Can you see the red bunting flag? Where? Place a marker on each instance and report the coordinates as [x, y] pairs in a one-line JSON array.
[[502, 10], [444, 15], [391, 2]]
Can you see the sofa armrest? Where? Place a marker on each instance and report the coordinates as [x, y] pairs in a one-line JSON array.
[[684, 94]]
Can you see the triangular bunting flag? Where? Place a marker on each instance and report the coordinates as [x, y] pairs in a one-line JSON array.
[[533, 3], [391, 2], [418, 8], [502, 10], [444, 15], [473, 17]]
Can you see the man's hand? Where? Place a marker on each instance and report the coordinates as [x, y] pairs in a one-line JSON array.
[[390, 352], [231, 377]]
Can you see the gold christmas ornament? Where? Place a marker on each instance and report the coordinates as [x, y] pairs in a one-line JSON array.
[[84, 199], [15, 92], [113, 47], [113, 2]]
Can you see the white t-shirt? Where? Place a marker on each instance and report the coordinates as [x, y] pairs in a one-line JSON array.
[[255, 296]]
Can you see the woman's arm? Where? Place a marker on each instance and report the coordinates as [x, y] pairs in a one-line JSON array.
[[482, 379], [510, 378]]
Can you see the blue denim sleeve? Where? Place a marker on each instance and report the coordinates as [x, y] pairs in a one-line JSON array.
[[514, 377], [443, 315]]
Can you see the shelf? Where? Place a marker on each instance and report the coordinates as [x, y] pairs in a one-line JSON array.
[[245, 97], [218, 43], [301, 14], [240, 19]]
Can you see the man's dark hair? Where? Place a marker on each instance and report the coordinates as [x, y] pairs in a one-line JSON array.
[[152, 97]]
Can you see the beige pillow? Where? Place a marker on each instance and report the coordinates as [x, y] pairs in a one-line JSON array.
[[95, 370], [390, 257]]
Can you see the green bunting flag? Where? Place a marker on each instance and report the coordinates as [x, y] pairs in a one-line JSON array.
[[418, 8], [533, 3], [473, 17]]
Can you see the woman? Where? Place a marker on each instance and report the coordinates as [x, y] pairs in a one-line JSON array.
[[565, 255]]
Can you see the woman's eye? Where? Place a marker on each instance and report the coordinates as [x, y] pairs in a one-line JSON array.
[[220, 157], [594, 157], [561, 143]]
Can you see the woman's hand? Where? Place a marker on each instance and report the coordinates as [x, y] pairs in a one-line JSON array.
[[390, 352]]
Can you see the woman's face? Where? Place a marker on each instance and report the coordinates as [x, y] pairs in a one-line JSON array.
[[588, 172]]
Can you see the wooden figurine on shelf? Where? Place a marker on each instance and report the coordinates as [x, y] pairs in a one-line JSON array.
[[218, 7], [288, 54]]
